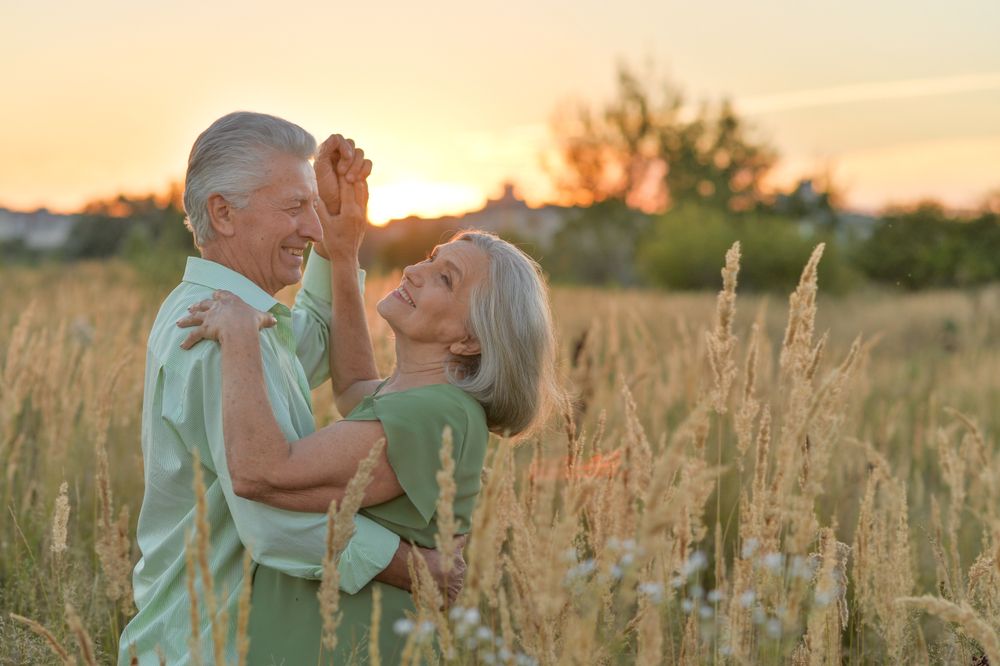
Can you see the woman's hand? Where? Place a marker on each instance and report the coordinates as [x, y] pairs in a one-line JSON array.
[[224, 314], [342, 178]]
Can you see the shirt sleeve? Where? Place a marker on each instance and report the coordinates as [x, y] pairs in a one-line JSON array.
[[414, 422], [311, 319], [291, 542]]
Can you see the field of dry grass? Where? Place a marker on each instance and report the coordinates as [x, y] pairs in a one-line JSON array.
[[742, 479]]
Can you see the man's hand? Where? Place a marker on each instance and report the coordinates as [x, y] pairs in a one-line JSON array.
[[341, 176], [397, 573]]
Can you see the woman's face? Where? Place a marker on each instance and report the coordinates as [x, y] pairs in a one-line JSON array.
[[431, 304]]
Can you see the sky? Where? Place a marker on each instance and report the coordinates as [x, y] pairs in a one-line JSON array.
[[898, 100]]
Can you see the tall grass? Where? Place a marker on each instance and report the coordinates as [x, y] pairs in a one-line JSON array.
[[738, 481]]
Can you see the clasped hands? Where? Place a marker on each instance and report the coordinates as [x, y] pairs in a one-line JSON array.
[[342, 179]]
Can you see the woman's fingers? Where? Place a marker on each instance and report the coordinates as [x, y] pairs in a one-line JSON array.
[[193, 338], [194, 319], [354, 170]]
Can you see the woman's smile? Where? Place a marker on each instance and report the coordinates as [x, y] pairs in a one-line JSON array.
[[402, 294]]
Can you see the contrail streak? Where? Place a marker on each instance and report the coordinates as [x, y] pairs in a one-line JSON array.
[[867, 92]]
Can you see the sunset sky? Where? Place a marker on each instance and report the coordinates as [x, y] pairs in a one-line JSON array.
[[899, 99]]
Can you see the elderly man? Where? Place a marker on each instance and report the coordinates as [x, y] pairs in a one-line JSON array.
[[249, 194]]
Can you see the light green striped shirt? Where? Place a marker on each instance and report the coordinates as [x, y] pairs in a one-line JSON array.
[[182, 413]]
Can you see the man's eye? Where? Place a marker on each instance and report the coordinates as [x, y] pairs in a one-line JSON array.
[[446, 279]]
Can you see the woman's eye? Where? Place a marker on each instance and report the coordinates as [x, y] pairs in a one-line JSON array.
[[446, 280]]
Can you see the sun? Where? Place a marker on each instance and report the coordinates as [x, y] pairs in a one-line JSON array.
[[423, 198]]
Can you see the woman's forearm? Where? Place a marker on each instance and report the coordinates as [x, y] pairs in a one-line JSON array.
[[254, 442], [352, 358]]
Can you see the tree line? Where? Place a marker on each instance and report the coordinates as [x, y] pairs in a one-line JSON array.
[[656, 190]]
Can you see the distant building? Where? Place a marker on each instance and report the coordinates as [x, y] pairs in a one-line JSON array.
[[511, 214], [39, 230], [507, 215]]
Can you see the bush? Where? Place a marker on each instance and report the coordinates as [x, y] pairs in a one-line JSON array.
[[683, 246]]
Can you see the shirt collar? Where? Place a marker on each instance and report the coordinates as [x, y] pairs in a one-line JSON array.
[[216, 276]]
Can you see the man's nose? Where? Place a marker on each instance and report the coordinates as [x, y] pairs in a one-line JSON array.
[[310, 227]]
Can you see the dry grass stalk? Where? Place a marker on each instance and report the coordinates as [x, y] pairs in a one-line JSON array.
[[882, 566], [191, 578], [967, 620], [60, 520], [243, 615], [444, 512], [113, 543], [745, 416], [340, 528], [490, 521], [649, 634], [83, 639], [218, 619], [721, 342], [828, 614], [53, 643], [374, 657]]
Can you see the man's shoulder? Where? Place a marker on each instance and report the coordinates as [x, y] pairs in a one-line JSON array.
[[165, 336]]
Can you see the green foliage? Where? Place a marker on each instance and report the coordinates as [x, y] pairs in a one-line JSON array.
[[644, 149], [682, 248], [927, 247], [597, 245]]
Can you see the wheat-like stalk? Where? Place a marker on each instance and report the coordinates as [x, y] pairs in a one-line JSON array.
[[970, 623], [340, 527]]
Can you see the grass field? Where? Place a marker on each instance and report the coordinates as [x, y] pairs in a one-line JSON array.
[[715, 496]]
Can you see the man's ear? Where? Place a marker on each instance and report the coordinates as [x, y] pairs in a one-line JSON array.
[[467, 346], [220, 213]]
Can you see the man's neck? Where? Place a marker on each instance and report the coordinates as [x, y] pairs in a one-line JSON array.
[[220, 252]]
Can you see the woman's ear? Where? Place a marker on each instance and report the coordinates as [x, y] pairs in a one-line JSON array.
[[220, 213], [467, 346]]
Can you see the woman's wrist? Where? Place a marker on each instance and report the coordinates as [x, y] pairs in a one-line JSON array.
[[236, 336]]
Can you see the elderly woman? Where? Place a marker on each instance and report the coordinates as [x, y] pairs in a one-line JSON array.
[[474, 352]]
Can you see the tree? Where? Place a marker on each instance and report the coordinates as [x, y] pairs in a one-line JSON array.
[[650, 152]]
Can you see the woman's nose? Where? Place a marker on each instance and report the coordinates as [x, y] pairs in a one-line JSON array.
[[411, 274]]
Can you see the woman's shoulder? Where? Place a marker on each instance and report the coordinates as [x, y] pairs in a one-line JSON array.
[[446, 396]]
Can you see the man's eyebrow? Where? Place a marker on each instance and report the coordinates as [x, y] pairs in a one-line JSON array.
[[298, 199]]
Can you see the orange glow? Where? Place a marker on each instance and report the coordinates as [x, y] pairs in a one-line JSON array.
[[106, 98], [422, 198]]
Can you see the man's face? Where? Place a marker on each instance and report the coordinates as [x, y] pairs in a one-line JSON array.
[[273, 230]]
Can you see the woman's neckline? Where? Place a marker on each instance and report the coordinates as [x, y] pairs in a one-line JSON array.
[[378, 390]]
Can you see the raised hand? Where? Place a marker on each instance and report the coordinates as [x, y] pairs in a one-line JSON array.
[[342, 177], [224, 314]]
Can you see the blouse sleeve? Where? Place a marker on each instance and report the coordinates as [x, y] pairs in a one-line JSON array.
[[414, 422]]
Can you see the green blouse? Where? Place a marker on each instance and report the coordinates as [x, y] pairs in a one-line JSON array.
[[285, 623]]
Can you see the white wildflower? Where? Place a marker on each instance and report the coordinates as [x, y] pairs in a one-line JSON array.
[[773, 562], [403, 626]]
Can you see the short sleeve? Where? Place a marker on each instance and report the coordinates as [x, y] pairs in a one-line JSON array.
[[414, 422]]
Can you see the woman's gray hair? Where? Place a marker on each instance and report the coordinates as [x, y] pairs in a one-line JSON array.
[[230, 158], [514, 375]]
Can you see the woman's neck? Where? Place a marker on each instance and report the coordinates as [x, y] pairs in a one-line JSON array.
[[418, 366]]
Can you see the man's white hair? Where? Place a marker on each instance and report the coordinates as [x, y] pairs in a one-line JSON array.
[[230, 158]]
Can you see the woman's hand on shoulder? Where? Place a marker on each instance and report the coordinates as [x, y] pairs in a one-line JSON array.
[[223, 315]]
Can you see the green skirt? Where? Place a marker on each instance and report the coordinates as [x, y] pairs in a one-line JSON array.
[[286, 627]]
